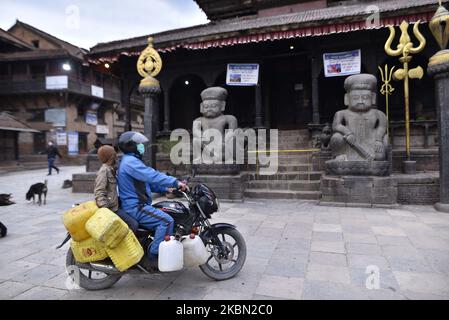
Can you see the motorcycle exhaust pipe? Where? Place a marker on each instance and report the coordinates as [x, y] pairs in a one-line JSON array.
[[108, 269]]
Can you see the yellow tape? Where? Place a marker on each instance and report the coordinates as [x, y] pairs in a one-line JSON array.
[[285, 151]]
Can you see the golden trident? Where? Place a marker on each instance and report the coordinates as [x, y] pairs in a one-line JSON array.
[[405, 48], [387, 90]]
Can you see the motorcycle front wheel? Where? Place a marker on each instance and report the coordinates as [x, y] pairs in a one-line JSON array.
[[88, 279], [223, 266]]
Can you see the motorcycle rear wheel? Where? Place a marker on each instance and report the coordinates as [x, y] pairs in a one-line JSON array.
[[235, 242], [87, 282]]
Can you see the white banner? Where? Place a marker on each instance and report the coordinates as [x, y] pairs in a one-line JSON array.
[[242, 74], [73, 143], [342, 63], [97, 91], [102, 129], [56, 82], [61, 138], [91, 118]]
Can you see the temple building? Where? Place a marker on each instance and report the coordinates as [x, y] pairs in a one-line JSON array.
[[49, 91], [287, 40]]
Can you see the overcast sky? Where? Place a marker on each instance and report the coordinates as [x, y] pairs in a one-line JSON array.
[[88, 22]]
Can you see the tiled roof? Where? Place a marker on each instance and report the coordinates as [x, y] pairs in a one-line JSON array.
[[8, 122], [73, 50], [34, 55], [6, 36], [217, 30]]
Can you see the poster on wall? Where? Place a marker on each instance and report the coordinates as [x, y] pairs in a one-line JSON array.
[[242, 74], [97, 91], [61, 138], [57, 116], [56, 82], [91, 118], [73, 139], [342, 63], [102, 129]]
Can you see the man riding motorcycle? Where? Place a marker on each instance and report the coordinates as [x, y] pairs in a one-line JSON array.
[[136, 182]]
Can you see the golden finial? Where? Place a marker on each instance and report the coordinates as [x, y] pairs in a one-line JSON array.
[[150, 62], [439, 25]]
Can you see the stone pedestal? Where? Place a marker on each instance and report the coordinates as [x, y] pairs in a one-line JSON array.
[[227, 188], [225, 180], [409, 167], [362, 191], [84, 182], [439, 69]]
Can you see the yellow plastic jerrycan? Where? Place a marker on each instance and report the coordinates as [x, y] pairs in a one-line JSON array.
[[89, 250], [107, 227], [127, 254], [75, 220]]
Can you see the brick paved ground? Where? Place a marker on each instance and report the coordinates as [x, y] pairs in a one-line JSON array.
[[296, 250]]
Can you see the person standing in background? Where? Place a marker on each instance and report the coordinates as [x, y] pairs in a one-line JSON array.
[[52, 152]]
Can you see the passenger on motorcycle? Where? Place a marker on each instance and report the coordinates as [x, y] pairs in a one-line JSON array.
[[105, 189], [136, 182]]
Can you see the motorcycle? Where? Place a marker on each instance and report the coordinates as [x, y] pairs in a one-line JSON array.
[[225, 244]]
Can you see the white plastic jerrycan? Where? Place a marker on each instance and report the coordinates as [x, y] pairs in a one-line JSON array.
[[195, 253], [171, 255]]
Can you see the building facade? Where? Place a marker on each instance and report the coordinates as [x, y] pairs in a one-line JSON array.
[[49, 85], [287, 39]]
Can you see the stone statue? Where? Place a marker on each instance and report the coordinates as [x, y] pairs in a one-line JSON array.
[[212, 107], [359, 143], [323, 141]]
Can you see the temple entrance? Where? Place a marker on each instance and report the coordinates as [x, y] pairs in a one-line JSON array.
[[185, 99], [332, 94], [240, 103], [287, 80], [8, 145]]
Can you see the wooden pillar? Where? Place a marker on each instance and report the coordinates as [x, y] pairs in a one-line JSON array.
[[259, 105], [126, 103], [316, 70], [266, 103], [166, 110]]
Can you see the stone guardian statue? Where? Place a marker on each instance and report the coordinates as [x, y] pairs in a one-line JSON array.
[[212, 107], [359, 144]]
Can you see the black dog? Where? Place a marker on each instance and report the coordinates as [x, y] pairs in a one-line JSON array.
[[3, 230], [38, 189], [5, 200]]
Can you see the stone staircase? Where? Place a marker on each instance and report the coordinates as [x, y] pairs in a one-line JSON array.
[[298, 177]]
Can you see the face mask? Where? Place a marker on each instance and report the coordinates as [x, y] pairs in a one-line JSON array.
[[141, 148]]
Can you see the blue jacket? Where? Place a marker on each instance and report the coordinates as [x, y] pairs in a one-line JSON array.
[[136, 182]]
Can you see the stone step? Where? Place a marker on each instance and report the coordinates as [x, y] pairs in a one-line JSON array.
[[34, 165], [299, 185], [33, 158], [289, 176], [282, 194]]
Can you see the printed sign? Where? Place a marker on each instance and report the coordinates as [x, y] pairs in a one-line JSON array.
[[56, 116], [97, 91], [342, 63], [56, 82], [242, 75], [73, 138], [102, 129], [61, 138], [91, 118]]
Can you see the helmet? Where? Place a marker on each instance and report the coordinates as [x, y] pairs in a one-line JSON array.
[[207, 199], [129, 140]]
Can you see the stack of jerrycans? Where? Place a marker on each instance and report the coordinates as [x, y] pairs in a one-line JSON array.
[[84, 247], [98, 234], [120, 242]]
